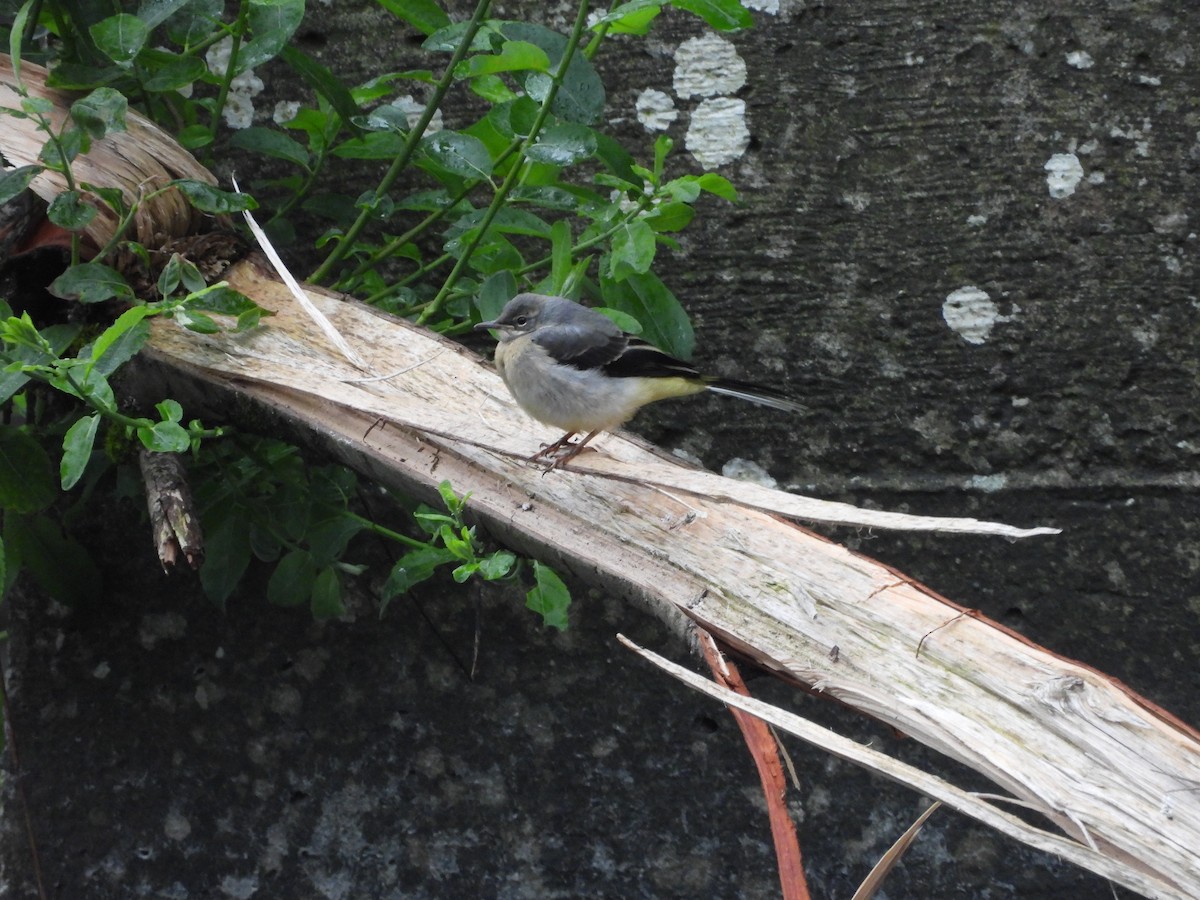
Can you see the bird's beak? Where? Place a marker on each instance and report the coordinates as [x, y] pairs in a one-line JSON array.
[[484, 326]]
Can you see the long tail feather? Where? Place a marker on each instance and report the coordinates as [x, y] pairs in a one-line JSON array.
[[755, 393]]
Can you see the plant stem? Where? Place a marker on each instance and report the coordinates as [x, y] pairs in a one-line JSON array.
[[516, 172], [431, 219], [410, 145], [583, 246], [239, 31], [383, 531]]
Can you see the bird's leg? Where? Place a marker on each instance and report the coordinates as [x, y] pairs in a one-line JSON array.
[[573, 450], [552, 449]]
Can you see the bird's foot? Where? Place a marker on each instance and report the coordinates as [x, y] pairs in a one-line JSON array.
[[554, 449], [562, 450]]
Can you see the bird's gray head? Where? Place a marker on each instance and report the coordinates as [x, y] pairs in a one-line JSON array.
[[525, 313]]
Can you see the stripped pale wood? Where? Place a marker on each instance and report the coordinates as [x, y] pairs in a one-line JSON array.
[[139, 161]]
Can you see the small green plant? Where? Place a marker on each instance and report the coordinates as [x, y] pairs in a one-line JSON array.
[[453, 542]]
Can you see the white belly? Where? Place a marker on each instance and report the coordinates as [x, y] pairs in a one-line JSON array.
[[565, 397]]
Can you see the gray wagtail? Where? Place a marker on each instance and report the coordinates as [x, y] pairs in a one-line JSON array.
[[572, 367]]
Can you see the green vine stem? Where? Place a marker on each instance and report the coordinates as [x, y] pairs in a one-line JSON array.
[[410, 145], [516, 172]]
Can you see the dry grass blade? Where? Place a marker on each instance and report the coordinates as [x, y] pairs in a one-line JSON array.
[[874, 880]]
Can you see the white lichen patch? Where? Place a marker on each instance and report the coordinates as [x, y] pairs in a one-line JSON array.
[[1080, 59], [971, 313], [655, 110], [718, 133], [748, 470], [1063, 174], [708, 66], [285, 111], [238, 112], [413, 109]]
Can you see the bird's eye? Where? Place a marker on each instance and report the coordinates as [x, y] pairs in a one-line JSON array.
[[521, 321]]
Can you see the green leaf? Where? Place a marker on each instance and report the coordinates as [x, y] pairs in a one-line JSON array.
[[549, 597], [560, 256], [496, 290], [580, 97], [462, 573], [718, 185], [197, 322], [90, 283], [670, 217], [633, 17], [176, 75], [83, 382], [113, 198], [121, 341], [154, 12], [58, 563], [68, 211], [664, 321], [514, 56], [272, 22], [101, 112], [723, 15], [424, 15], [193, 23], [327, 540], [26, 473], [193, 137], [508, 220], [493, 89], [165, 437], [446, 40], [454, 503], [622, 320], [375, 145], [16, 35], [411, 569], [170, 410], [563, 145], [77, 449], [270, 142], [57, 155], [57, 337], [224, 301], [207, 198], [292, 581], [16, 180], [327, 595], [633, 248], [616, 158], [460, 154], [120, 37], [497, 565], [226, 556], [325, 83]]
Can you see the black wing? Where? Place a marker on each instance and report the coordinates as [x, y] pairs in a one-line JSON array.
[[644, 360]]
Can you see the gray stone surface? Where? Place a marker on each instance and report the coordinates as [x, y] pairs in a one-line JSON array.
[[896, 159]]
